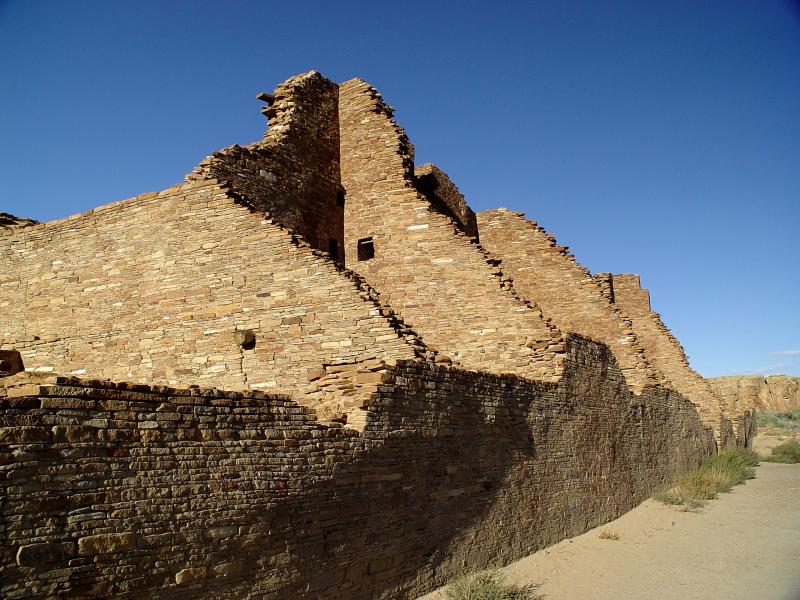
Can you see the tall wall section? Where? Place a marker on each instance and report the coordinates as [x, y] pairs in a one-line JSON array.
[[665, 352], [425, 266], [115, 490], [547, 274], [293, 173], [744, 392], [164, 301]]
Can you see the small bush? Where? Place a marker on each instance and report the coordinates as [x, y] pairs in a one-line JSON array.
[[488, 585], [608, 535], [717, 473], [701, 485], [731, 467], [788, 452], [671, 496], [680, 496]]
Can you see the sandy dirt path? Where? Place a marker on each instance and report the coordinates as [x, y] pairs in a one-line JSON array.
[[744, 545]]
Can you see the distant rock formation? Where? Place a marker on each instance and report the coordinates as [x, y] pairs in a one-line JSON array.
[[776, 392]]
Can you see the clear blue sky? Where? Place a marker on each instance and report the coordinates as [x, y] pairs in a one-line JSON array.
[[661, 138]]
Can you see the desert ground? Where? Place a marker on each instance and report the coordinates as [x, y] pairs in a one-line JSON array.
[[743, 545]]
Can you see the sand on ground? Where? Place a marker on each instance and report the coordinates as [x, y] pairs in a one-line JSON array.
[[763, 443], [743, 546]]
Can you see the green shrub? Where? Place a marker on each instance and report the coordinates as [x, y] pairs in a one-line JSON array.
[[788, 421], [788, 452], [671, 496], [717, 473], [488, 585]]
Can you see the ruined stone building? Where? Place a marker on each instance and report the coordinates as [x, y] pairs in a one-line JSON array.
[[311, 371]]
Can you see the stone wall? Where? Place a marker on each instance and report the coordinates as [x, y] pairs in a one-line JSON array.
[[665, 352], [162, 301], [293, 173], [545, 272], [135, 491], [426, 268], [748, 392]]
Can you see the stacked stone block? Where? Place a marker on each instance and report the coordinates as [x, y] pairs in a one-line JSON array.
[[292, 174], [444, 197], [9, 222]]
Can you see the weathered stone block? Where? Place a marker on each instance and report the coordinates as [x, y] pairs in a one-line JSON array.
[[23, 434], [190, 575], [44, 555], [108, 543], [74, 433]]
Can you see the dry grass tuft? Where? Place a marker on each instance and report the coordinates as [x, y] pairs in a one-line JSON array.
[[717, 473], [489, 585]]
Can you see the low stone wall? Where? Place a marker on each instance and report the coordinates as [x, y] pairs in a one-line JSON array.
[[126, 491]]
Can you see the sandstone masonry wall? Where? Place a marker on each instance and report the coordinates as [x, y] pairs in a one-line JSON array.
[[135, 491], [747, 392], [163, 301], [665, 352], [547, 274], [293, 173], [444, 285]]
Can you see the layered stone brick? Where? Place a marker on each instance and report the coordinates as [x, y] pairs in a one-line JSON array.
[[549, 275], [162, 301], [426, 268]]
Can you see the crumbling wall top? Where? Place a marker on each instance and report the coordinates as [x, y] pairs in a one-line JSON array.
[[292, 174], [8, 221], [444, 196]]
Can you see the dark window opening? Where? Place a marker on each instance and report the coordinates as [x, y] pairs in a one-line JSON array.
[[333, 249], [366, 249], [246, 339], [340, 198]]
